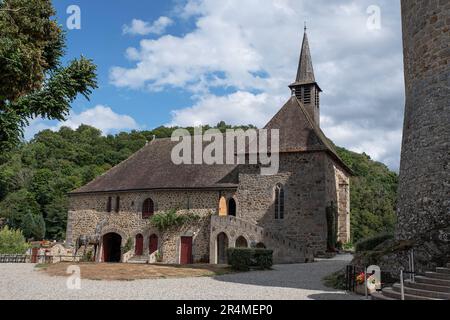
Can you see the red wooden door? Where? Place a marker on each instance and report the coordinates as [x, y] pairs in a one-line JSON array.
[[153, 243], [139, 247], [186, 250]]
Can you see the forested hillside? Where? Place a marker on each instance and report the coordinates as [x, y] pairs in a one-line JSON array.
[[36, 177]]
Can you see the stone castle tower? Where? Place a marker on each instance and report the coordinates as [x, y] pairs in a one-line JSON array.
[[424, 190]]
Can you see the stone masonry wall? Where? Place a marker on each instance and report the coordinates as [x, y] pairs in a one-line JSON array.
[[304, 178], [424, 188], [88, 211], [338, 193]]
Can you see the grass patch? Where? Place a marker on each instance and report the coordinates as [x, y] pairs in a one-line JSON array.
[[130, 272]]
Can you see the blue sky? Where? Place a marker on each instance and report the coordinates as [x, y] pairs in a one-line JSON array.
[[190, 62]]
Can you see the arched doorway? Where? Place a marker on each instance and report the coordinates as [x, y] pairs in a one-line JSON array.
[[232, 207], [222, 246], [241, 242], [153, 243], [260, 245], [111, 247], [139, 246]]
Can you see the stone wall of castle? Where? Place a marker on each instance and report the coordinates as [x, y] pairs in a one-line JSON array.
[[424, 188]]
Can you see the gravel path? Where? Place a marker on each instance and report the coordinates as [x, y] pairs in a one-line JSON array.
[[290, 282]]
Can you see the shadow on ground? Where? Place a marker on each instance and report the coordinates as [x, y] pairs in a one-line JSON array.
[[307, 276]]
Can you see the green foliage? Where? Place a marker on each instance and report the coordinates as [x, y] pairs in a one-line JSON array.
[[33, 226], [242, 259], [371, 243], [336, 280], [373, 195], [166, 220], [32, 81], [12, 241], [128, 246], [331, 214]]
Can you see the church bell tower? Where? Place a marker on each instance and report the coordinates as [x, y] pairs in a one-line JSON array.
[[305, 87]]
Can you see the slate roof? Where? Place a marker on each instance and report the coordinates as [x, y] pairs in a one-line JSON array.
[[151, 168]]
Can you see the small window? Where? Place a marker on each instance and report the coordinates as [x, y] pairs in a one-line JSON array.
[[117, 204], [148, 208], [279, 202], [109, 204]]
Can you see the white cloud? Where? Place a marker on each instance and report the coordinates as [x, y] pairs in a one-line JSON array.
[[100, 117], [139, 27], [251, 48], [238, 108]]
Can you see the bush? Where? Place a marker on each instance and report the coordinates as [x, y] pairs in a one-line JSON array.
[[165, 221], [12, 241], [242, 259], [371, 243], [128, 246]]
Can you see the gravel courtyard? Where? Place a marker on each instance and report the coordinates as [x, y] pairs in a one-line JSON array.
[[290, 282]]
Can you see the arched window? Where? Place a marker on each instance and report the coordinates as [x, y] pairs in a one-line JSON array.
[[109, 204], [148, 208], [223, 207], [279, 202], [241, 242], [232, 207], [117, 204]]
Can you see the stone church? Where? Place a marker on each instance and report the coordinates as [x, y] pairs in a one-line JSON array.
[[288, 212]]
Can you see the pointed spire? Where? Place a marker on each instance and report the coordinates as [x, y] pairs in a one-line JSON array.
[[305, 73]]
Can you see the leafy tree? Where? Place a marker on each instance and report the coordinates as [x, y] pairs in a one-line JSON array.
[[12, 241], [56, 218], [33, 226], [373, 196], [16, 206], [32, 81]]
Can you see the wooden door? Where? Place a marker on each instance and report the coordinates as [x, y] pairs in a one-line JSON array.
[[186, 250], [139, 247], [153, 243]]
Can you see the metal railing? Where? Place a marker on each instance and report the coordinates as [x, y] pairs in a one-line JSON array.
[[353, 270], [411, 272], [45, 259]]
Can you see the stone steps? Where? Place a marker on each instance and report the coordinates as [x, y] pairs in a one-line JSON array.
[[139, 260], [391, 293], [380, 296], [443, 270], [430, 286], [437, 275], [433, 281], [420, 292], [427, 286]]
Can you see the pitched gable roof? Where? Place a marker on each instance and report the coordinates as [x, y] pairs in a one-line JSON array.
[[152, 168], [299, 133]]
